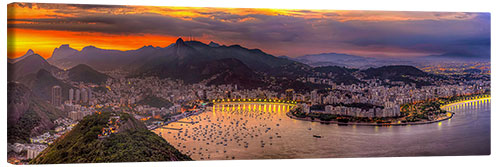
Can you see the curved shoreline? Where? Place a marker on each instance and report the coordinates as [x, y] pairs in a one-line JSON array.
[[388, 124], [370, 124]]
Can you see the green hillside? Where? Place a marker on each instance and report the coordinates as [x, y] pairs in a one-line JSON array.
[[27, 115], [132, 143]]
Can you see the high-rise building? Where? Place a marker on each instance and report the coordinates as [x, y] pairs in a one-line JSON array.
[[314, 97], [56, 95], [77, 96], [90, 94], [71, 95], [85, 95]]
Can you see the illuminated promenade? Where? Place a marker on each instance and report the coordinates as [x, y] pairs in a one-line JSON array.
[[252, 105], [470, 103]]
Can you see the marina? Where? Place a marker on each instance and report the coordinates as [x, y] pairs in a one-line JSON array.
[[254, 134]]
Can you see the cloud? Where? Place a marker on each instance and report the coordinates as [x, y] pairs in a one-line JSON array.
[[292, 32]]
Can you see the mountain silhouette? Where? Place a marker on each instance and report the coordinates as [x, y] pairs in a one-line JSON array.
[[30, 63], [41, 84], [84, 73], [397, 73]]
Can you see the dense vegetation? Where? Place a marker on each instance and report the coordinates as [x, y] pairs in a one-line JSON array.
[[154, 101], [20, 132], [134, 144], [427, 110], [27, 115], [423, 111]]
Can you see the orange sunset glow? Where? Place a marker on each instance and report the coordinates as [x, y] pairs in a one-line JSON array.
[[43, 42], [289, 32], [91, 83]]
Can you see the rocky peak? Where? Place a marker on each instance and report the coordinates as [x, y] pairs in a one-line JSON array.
[[213, 44], [64, 46], [29, 52], [179, 42], [89, 47]]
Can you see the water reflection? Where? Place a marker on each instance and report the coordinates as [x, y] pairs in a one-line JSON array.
[[264, 131]]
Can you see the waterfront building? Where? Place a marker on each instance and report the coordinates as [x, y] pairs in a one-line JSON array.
[[329, 109], [305, 108]]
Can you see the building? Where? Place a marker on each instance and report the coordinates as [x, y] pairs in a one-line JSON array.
[[77, 96], [56, 95], [329, 109], [76, 115], [315, 98], [85, 95], [71, 95], [89, 91], [305, 108], [289, 94], [34, 150]]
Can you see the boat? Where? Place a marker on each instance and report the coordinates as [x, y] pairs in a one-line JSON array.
[[316, 136]]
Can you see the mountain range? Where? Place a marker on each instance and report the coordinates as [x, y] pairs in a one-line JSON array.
[[150, 58], [331, 59], [398, 73], [192, 62], [353, 61], [28, 64]]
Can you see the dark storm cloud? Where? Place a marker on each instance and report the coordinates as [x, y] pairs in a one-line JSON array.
[[263, 28], [113, 24]]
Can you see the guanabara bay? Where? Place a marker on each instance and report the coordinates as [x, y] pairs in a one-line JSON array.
[[99, 83]]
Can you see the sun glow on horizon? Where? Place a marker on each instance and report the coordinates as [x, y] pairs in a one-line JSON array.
[[43, 27], [43, 42]]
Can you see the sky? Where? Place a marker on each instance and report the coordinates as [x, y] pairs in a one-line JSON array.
[[280, 32]]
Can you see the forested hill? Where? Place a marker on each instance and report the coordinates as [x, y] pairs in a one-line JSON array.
[[132, 143]]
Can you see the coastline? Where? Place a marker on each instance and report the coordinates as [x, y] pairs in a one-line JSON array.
[[451, 114]]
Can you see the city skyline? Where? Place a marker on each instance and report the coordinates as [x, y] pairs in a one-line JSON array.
[[100, 83]]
